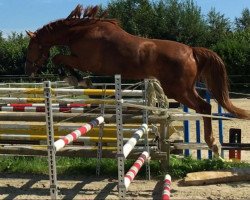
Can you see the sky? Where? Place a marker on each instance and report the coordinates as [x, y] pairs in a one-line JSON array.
[[21, 15]]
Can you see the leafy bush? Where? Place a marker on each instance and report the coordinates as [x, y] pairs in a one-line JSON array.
[[13, 54], [235, 51]]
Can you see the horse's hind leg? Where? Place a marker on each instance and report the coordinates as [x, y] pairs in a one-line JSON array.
[[194, 101]]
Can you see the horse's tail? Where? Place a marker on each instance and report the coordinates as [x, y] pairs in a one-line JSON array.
[[213, 72]]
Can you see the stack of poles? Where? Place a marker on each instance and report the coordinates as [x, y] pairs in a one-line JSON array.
[[22, 104], [198, 129], [57, 107], [37, 132]]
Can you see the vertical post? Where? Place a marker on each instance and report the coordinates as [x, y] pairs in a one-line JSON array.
[[145, 121], [198, 129], [100, 135], [186, 132], [208, 99], [198, 137], [235, 138], [120, 155], [50, 140], [164, 144], [220, 129]]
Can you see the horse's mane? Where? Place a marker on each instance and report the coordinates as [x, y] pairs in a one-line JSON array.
[[80, 17]]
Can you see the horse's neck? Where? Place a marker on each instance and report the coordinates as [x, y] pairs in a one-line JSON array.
[[63, 36], [54, 37]]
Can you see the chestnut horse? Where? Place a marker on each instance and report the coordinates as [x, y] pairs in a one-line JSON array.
[[101, 46]]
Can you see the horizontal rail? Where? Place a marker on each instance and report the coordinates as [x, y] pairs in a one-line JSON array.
[[68, 101], [85, 139], [203, 146], [42, 109], [72, 105], [60, 91], [61, 129]]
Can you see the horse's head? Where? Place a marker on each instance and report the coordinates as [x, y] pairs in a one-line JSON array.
[[36, 56]]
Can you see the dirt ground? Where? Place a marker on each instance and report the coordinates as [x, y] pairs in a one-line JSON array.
[[16, 186]]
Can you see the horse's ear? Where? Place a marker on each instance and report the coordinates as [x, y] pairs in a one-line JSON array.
[[31, 34]]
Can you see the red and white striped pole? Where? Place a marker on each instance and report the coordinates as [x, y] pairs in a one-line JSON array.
[[53, 105], [132, 172], [41, 109], [59, 144], [128, 147], [166, 187]]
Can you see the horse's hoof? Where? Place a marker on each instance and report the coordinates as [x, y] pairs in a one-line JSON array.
[[218, 157], [215, 149], [71, 80]]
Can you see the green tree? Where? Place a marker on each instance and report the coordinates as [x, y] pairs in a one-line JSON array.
[[167, 19], [235, 51], [243, 22], [135, 15], [13, 54], [218, 27], [192, 26], [164, 19], [1, 37]]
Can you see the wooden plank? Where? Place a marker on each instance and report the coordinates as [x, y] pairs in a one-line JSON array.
[[215, 177], [191, 145]]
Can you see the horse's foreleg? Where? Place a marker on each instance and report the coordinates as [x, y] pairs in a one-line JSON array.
[[69, 61]]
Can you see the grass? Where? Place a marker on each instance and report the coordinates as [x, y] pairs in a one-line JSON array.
[[179, 167]]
